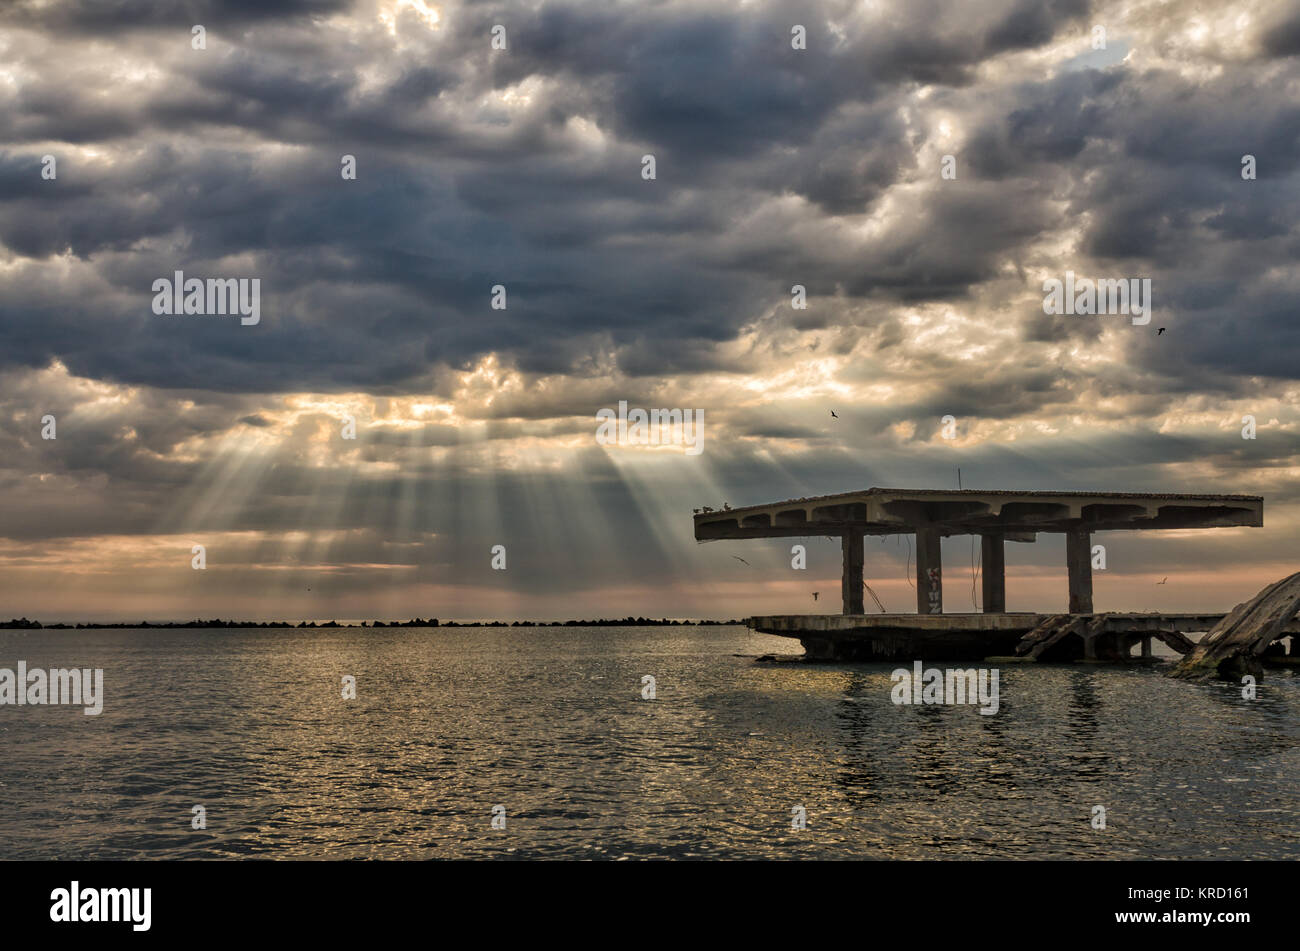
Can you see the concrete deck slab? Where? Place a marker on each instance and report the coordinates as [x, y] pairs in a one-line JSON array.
[[882, 637]]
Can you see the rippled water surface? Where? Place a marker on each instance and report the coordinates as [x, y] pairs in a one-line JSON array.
[[549, 722]]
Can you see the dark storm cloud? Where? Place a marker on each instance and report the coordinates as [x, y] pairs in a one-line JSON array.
[[1052, 124], [1031, 23], [1281, 33], [446, 205], [1156, 187], [113, 16]]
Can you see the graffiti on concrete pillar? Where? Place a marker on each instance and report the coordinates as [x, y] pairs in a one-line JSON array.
[[936, 593]]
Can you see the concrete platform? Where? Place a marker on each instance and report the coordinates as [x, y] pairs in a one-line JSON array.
[[890, 637], [881, 637], [998, 516]]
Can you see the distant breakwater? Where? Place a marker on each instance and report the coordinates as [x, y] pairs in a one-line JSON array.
[[25, 624]]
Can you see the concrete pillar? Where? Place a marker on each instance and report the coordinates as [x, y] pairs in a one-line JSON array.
[[1078, 561], [929, 572], [993, 569], [1146, 647], [851, 578]]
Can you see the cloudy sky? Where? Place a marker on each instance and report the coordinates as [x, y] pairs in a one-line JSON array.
[[523, 167]]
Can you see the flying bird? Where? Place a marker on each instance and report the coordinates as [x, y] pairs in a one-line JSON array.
[[1160, 331], [741, 560], [833, 416], [815, 593], [1163, 580]]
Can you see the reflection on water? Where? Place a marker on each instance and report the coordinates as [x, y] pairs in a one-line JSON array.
[[549, 723]]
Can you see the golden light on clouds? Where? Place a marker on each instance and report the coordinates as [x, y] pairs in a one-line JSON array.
[[391, 11]]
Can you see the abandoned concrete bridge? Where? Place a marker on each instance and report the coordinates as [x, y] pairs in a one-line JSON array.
[[998, 517]]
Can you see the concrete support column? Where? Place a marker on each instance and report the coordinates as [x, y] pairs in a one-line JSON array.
[[1078, 560], [993, 569], [1146, 647], [851, 578], [929, 571]]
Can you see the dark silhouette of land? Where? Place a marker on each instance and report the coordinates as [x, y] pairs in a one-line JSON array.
[[25, 624]]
